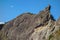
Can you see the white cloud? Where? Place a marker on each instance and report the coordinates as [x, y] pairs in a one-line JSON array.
[[2, 23]]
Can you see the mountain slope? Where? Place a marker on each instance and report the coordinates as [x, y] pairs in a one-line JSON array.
[[28, 26]]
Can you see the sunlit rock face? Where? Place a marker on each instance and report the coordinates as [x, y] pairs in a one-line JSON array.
[[28, 26]]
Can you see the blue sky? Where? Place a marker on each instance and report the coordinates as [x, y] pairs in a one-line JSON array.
[[9, 9]]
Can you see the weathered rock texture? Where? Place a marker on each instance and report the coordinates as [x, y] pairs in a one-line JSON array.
[[28, 26]]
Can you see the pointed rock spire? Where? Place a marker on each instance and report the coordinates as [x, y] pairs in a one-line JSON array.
[[48, 8], [45, 15]]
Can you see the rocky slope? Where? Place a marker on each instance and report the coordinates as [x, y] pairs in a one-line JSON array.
[[28, 26]]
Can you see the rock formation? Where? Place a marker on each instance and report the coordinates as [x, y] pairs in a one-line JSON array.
[[28, 26]]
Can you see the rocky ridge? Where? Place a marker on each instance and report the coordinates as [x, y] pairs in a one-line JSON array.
[[28, 26]]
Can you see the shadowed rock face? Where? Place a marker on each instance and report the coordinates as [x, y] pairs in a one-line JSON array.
[[28, 26], [1, 26]]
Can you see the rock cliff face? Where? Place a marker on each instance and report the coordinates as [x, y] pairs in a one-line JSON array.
[[28, 26]]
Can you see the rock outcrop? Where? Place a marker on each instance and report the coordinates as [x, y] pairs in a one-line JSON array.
[[28, 26]]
